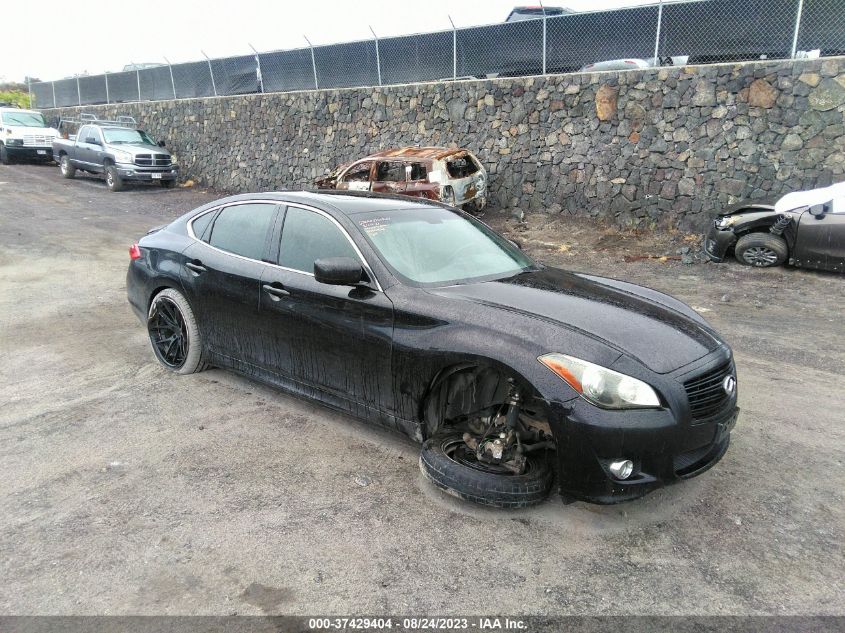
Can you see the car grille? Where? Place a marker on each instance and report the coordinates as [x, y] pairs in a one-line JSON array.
[[33, 140], [152, 160], [706, 394]]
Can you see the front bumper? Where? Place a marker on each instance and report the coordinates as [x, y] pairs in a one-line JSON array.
[[29, 152], [666, 445], [128, 171], [718, 242]]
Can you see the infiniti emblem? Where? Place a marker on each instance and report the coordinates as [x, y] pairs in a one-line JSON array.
[[729, 385]]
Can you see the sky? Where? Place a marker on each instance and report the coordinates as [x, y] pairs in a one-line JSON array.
[[88, 36]]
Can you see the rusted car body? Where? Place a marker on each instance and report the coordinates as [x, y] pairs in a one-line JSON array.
[[453, 176]]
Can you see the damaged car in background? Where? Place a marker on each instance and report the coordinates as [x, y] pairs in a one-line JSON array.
[[453, 176], [805, 229], [418, 317]]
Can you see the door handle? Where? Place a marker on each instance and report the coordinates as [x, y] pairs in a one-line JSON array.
[[197, 267], [276, 292]]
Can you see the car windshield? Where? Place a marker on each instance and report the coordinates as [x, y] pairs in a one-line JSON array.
[[24, 119], [433, 246], [123, 136]]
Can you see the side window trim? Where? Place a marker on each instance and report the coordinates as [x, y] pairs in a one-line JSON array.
[[206, 236], [343, 232], [281, 214]]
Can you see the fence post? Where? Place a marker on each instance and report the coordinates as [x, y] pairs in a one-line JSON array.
[[172, 82], [53, 86], [454, 49], [542, 6], [78, 91], [258, 65], [138, 80], [106, 76], [657, 36], [797, 28], [29, 90], [378, 58], [313, 62], [210, 72]]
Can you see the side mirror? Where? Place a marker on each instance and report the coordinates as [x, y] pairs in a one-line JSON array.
[[818, 210], [161, 143], [338, 271], [92, 140]]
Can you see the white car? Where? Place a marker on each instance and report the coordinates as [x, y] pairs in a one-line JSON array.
[[25, 134], [635, 64]]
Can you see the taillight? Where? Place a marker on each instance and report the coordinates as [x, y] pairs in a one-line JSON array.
[[134, 252]]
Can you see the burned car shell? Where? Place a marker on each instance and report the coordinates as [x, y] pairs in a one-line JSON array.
[[814, 241], [390, 347], [419, 172]]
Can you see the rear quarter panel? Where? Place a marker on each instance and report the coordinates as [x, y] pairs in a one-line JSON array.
[[160, 266]]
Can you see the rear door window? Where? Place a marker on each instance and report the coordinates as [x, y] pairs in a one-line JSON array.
[[309, 236], [243, 229], [390, 172], [418, 171], [200, 225]]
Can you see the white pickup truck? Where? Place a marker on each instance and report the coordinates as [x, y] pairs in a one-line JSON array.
[[25, 134]]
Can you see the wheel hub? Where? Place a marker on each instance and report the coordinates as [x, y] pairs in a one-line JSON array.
[[760, 256]]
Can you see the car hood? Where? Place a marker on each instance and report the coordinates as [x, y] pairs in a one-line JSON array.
[[659, 331], [799, 199], [140, 149], [749, 206], [19, 130]]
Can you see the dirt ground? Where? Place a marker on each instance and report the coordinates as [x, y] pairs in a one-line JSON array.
[[129, 490]]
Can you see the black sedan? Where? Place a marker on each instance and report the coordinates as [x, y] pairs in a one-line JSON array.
[[418, 317], [805, 229]]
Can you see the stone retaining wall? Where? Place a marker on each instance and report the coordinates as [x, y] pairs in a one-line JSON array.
[[647, 147]]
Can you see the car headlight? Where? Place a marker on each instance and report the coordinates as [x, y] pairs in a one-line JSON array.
[[601, 386], [14, 141], [725, 221], [122, 157]]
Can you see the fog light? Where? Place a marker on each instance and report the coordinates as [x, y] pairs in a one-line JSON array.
[[622, 469]]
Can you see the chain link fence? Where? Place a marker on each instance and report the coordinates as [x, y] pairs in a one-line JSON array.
[[692, 31]]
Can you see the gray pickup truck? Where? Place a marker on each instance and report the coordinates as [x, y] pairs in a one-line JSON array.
[[116, 149]]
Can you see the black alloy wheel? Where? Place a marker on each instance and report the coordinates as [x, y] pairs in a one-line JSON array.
[[168, 333]]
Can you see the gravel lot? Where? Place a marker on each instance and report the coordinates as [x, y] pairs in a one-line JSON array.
[[127, 489]]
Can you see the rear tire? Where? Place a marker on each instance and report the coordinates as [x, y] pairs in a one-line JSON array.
[[4, 156], [174, 334], [68, 170], [438, 464], [113, 180], [761, 250]]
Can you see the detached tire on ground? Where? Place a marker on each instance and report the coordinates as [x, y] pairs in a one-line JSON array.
[[761, 250], [173, 332], [168, 184], [466, 482]]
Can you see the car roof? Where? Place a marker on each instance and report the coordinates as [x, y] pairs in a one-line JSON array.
[[343, 202], [18, 110], [419, 153]]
